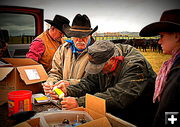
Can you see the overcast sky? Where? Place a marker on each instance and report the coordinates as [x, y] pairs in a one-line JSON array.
[[109, 15]]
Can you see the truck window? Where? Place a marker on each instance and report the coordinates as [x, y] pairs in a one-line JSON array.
[[23, 25]]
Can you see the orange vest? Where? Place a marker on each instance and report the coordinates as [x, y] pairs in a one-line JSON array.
[[50, 48]]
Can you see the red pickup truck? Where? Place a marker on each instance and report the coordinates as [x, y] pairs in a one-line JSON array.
[[23, 25]]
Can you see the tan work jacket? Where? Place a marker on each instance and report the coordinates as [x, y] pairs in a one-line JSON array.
[[65, 65]]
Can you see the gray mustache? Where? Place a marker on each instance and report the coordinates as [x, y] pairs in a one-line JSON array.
[[82, 42]]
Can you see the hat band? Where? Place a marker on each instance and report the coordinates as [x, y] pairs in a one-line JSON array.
[[80, 30], [81, 27]]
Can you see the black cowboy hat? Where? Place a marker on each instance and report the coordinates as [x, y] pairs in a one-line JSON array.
[[81, 27], [58, 22], [169, 22]]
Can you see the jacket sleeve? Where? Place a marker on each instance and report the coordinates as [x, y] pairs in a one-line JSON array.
[[55, 74], [88, 84], [36, 50]]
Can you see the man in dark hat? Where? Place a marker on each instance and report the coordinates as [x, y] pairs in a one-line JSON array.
[[70, 60], [167, 85], [122, 76], [44, 46]]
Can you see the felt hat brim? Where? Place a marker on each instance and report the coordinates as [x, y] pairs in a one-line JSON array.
[[155, 28], [70, 32], [52, 23], [94, 68]]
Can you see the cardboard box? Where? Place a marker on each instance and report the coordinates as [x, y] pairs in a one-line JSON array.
[[72, 117], [95, 107], [24, 74]]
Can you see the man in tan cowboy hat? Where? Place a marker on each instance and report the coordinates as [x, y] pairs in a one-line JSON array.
[[120, 75], [70, 60], [167, 85], [43, 47]]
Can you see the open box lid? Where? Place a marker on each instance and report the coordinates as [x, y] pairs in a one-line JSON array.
[[32, 74], [5, 71], [20, 61], [95, 106]]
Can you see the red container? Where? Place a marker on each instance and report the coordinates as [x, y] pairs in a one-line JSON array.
[[19, 101]]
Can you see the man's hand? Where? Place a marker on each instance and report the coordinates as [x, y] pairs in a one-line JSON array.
[[69, 103], [48, 90], [47, 86], [64, 82], [62, 85]]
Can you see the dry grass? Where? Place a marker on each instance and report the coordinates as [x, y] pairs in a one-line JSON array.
[[155, 59]]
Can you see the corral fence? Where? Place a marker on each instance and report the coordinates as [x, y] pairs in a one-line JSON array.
[[142, 43]]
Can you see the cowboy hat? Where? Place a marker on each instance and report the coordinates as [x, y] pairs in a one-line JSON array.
[[169, 22], [58, 22], [81, 27]]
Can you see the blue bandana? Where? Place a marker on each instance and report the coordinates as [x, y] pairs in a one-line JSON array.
[[74, 48]]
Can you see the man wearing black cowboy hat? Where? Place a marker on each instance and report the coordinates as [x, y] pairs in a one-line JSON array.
[[70, 60], [44, 46]]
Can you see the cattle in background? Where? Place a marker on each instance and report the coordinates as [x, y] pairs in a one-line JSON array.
[[137, 43], [140, 44], [153, 44], [122, 41], [160, 49]]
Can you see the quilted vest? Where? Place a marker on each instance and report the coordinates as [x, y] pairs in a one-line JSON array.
[[50, 48]]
